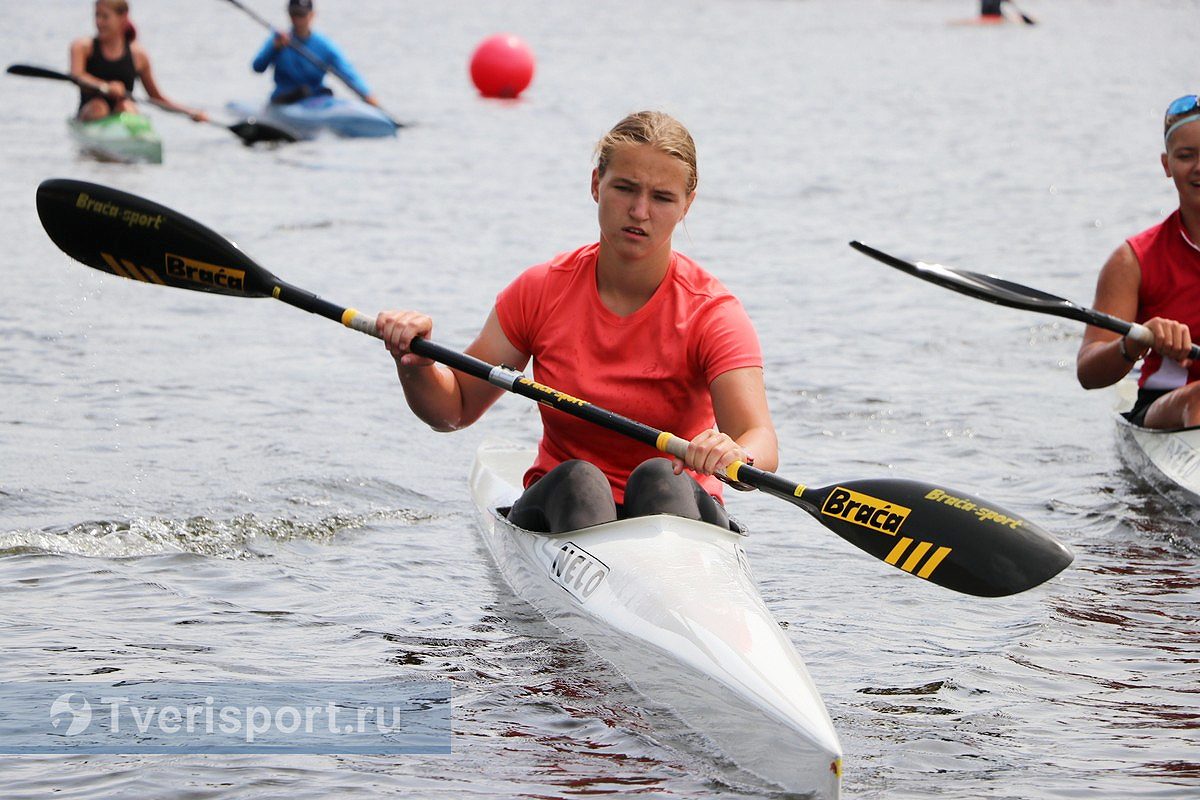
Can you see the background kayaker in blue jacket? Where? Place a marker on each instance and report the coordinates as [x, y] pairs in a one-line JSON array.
[[296, 77]]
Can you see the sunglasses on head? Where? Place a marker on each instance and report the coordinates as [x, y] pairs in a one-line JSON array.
[[1181, 110]]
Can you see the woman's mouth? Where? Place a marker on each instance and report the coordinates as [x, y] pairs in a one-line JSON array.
[[634, 231]]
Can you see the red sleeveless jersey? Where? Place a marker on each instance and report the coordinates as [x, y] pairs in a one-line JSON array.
[[653, 366], [1170, 288]]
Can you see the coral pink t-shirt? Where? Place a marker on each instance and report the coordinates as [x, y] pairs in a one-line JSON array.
[[654, 366]]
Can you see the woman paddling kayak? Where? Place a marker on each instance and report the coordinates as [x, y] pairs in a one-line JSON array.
[[297, 77], [110, 62], [633, 326], [1154, 278]]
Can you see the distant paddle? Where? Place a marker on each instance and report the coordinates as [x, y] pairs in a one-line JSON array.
[[1028, 20], [1014, 295], [312, 59], [250, 131], [937, 533]]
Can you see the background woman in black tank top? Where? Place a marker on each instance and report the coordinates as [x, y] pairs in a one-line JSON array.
[[111, 62]]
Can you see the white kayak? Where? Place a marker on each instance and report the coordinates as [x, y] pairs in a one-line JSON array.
[[671, 603], [313, 116], [1168, 459], [126, 137]]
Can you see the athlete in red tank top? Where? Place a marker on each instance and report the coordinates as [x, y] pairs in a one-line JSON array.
[[1154, 278]]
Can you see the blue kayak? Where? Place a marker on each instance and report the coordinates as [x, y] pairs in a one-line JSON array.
[[312, 116]]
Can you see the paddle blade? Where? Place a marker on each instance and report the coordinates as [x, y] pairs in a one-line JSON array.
[[982, 287], [27, 71], [251, 131], [947, 537], [135, 238]]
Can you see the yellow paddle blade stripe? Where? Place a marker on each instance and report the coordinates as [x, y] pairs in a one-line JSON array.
[[115, 266], [898, 550], [915, 557], [933, 561]]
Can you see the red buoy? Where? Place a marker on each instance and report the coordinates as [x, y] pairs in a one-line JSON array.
[[502, 66]]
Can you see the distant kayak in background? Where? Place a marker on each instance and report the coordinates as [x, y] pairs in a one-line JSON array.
[[299, 59], [312, 116], [126, 137], [991, 12]]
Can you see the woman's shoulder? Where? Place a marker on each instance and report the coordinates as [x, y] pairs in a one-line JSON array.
[[82, 44], [696, 280], [561, 265], [1141, 240], [141, 58]]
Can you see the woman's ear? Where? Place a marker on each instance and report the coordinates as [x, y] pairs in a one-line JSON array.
[[596, 184], [687, 205]]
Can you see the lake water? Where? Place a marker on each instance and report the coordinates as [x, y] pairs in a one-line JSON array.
[[202, 488]]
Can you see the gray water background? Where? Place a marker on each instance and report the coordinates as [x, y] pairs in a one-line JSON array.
[[204, 488]]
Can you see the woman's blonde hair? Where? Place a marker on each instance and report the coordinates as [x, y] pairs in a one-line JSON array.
[[659, 130]]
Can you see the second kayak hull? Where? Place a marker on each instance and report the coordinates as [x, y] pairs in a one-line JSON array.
[[313, 116], [1168, 459], [126, 138]]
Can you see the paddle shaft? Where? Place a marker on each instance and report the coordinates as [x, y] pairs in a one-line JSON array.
[[1028, 20], [41, 72], [248, 134], [514, 381], [942, 535], [311, 57]]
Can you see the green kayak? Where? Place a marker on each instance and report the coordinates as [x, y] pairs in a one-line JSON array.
[[124, 137]]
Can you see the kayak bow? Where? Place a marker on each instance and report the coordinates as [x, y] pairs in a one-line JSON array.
[[671, 603]]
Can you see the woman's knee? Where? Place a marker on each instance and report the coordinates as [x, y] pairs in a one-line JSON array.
[[653, 487], [652, 471], [576, 474], [96, 108]]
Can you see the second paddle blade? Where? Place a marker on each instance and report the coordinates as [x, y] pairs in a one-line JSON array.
[[136, 238], [947, 537]]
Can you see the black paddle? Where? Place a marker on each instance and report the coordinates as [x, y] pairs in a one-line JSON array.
[[1028, 20], [250, 131], [1014, 295], [945, 536], [309, 56]]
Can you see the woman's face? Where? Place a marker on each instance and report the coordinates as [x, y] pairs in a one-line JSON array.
[[1181, 162], [301, 21], [642, 197], [108, 22]]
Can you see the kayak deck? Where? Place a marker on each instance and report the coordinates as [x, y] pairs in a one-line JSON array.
[[1169, 459], [671, 604], [312, 116], [125, 138]]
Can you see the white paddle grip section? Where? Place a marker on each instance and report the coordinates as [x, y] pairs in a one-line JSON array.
[[1140, 334], [675, 445], [504, 377], [360, 322]]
